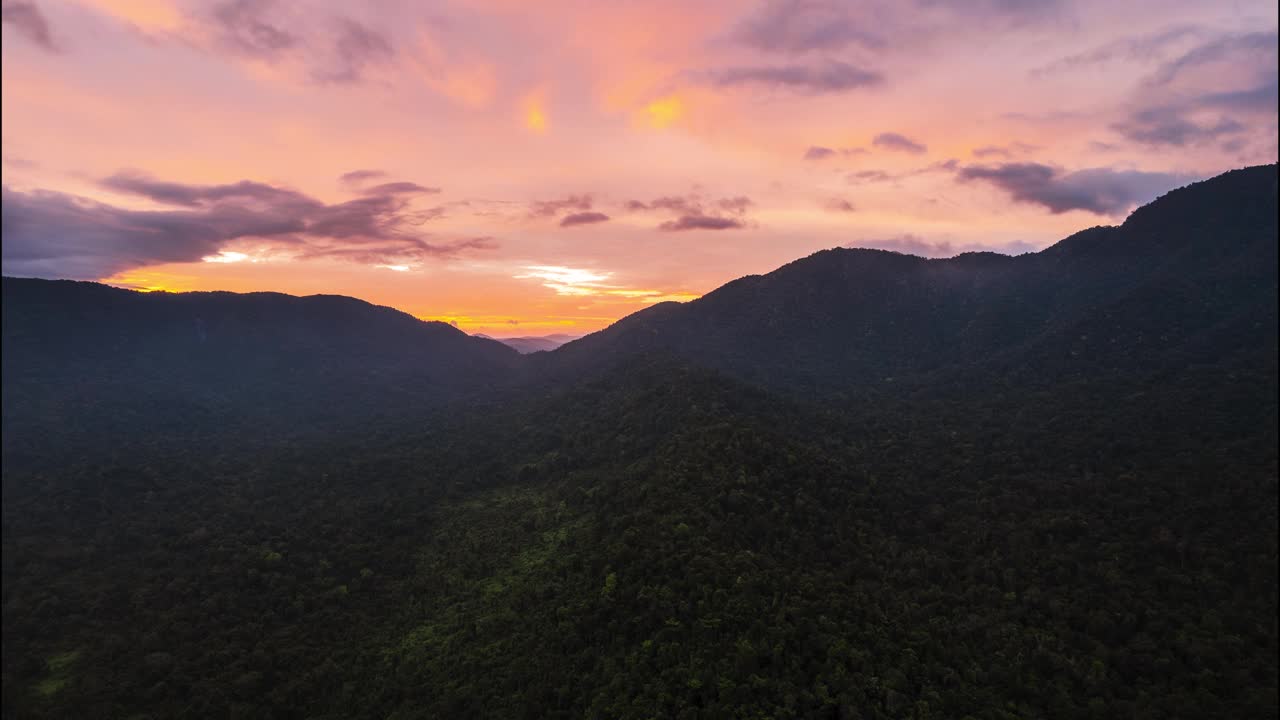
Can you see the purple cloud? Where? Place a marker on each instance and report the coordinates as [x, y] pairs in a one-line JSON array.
[[799, 26], [700, 222], [583, 218], [1209, 94], [910, 244], [548, 208], [243, 26], [399, 188], [359, 177], [355, 49], [829, 77], [52, 234], [1101, 191], [26, 18], [898, 143]]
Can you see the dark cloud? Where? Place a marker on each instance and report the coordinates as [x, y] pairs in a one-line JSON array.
[[26, 18], [356, 48], [829, 77], [583, 218], [1101, 191], [838, 205], [898, 143], [548, 208], [398, 188], [57, 235], [243, 26], [700, 222], [798, 26], [358, 177]]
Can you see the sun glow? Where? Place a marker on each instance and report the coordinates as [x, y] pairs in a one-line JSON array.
[[661, 113], [535, 118], [226, 256]]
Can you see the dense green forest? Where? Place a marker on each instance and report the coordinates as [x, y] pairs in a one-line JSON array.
[[1057, 498]]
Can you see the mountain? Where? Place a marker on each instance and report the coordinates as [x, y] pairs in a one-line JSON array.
[[865, 485], [1181, 276], [536, 343], [87, 363]]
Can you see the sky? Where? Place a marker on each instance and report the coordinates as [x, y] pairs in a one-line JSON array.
[[525, 168]]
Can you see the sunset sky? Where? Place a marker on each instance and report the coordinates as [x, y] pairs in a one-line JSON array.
[[525, 168]]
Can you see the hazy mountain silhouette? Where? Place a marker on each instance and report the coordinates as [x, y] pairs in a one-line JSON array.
[[84, 358], [534, 343]]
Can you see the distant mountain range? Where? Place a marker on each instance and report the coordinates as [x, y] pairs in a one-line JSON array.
[[534, 343], [1189, 278]]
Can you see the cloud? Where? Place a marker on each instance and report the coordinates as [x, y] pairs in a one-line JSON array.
[[583, 218], [58, 235], [1002, 151], [1228, 48], [1134, 48], [910, 244], [868, 176], [799, 26], [399, 188], [667, 202], [693, 212], [1017, 11], [1102, 191], [829, 77], [736, 205], [172, 193], [898, 143], [700, 222], [358, 177], [242, 25], [580, 282], [818, 152], [355, 49], [1219, 89], [838, 205], [1170, 125], [548, 208], [26, 18]]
